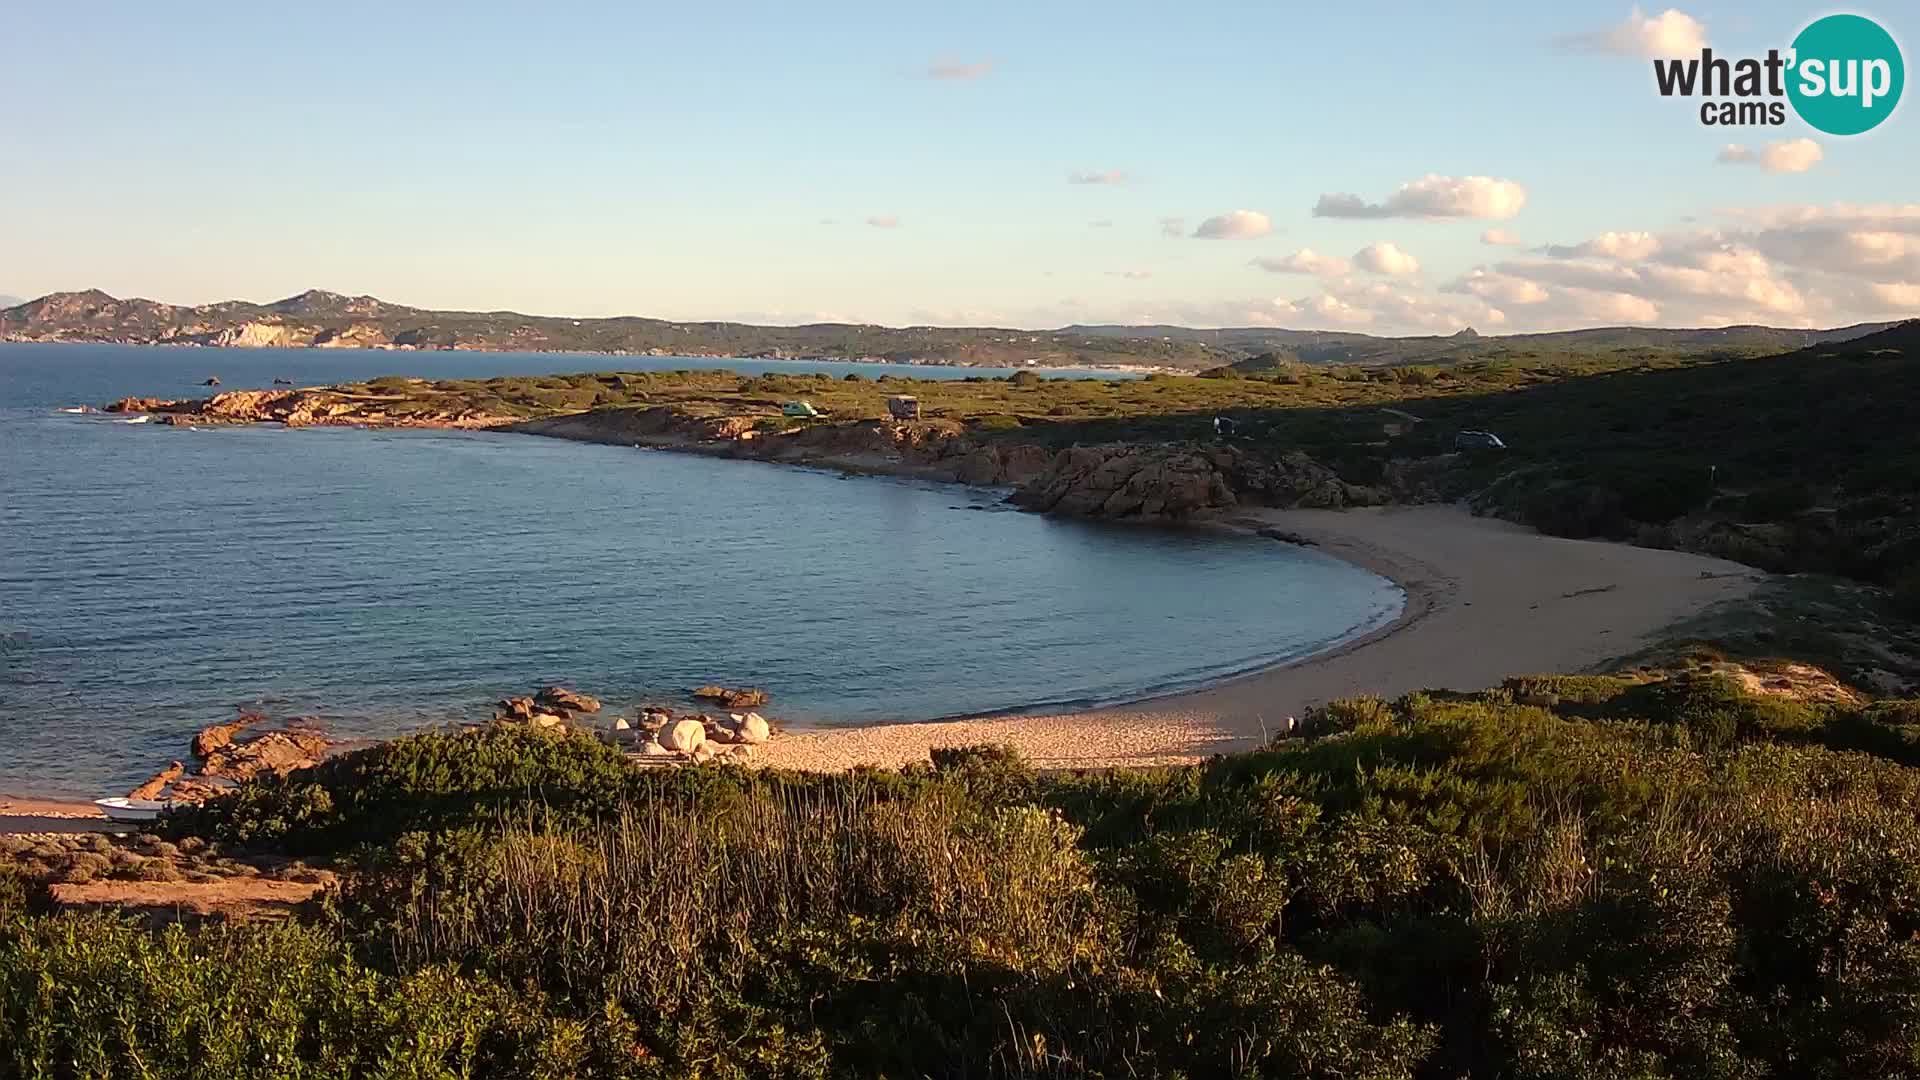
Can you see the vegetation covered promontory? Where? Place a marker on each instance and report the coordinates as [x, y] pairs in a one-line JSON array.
[[1804, 461]]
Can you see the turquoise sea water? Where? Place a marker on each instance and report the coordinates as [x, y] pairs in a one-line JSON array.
[[154, 578]]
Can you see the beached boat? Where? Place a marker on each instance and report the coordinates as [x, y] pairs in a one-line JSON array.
[[130, 810]]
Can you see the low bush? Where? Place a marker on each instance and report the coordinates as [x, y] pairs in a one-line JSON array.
[[1563, 877], [439, 780]]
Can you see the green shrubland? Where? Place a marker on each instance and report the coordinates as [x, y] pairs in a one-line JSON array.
[[1806, 461], [1587, 876]]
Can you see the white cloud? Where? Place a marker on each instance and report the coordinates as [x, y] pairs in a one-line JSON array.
[[1572, 274], [1845, 241], [1385, 258], [1093, 176], [959, 70], [1495, 286], [1100, 223], [884, 221], [1304, 261], [1671, 33], [1606, 307], [1237, 225], [1327, 308], [1626, 246], [1896, 295], [1500, 238], [1131, 275], [1780, 265], [1173, 226], [1785, 156], [1433, 196]]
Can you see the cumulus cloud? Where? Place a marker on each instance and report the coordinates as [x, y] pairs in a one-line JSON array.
[[1433, 196], [1785, 156], [1671, 33], [1781, 265], [1385, 258], [1237, 225], [1500, 238], [1902, 296], [1326, 308], [884, 221], [1095, 176], [1628, 246], [1173, 226], [1843, 241], [1500, 288], [1304, 261], [1607, 307], [959, 70]]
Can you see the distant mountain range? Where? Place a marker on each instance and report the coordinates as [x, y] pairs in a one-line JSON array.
[[10, 301], [319, 319]]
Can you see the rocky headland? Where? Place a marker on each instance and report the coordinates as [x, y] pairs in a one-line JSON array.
[[1155, 481]]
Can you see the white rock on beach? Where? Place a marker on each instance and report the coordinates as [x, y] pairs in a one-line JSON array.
[[654, 749], [703, 753], [546, 720], [684, 736], [620, 724], [753, 729]]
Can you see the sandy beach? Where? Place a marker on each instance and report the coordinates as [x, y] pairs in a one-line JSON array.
[[1486, 599]]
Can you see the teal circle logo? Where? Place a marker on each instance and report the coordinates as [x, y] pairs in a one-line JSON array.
[[1847, 74]]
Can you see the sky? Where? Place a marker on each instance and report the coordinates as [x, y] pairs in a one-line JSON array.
[[1382, 167]]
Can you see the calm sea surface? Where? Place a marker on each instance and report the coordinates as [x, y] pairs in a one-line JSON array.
[[154, 578]]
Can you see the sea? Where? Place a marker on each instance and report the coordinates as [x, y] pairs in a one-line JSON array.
[[156, 579]]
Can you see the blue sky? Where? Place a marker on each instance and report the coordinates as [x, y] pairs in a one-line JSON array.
[[872, 162]]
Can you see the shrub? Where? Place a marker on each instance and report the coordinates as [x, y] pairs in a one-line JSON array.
[[267, 1003], [435, 780]]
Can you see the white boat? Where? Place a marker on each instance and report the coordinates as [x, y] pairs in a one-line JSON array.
[[77, 409], [138, 420], [120, 809]]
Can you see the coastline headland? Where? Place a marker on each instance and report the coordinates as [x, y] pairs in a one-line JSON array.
[[1486, 599]]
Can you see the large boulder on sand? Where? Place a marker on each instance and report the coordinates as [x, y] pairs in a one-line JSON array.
[[684, 736], [752, 729]]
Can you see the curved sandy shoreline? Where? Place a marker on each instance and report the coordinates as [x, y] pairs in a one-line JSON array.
[[1486, 600]]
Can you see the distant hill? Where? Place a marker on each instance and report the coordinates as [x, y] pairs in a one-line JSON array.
[[320, 319], [10, 301], [1342, 347]]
